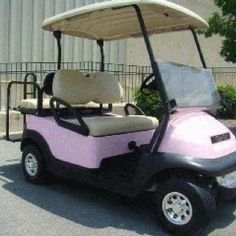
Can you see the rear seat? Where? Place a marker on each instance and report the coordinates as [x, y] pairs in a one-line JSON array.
[[75, 88], [31, 104]]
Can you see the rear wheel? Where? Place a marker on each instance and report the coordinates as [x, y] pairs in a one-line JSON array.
[[33, 165], [183, 207]]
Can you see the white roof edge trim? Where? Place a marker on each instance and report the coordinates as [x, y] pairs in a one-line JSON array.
[[83, 12]]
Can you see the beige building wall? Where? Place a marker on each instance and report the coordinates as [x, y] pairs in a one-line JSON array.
[[23, 40], [180, 47]]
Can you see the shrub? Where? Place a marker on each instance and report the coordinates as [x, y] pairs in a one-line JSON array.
[[149, 102], [228, 101]]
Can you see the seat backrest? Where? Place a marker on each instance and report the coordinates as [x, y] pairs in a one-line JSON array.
[[75, 88]]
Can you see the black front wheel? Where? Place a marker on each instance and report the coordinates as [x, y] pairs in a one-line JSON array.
[[184, 207], [33, 165]]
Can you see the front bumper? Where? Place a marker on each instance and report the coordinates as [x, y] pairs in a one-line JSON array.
[[225, 193], [223, 168], [226, 189]]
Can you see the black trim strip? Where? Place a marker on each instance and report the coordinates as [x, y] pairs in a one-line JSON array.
[[138, 110], [81, 128], [199, 48], [160, 131], [57, 35], [101, 45]]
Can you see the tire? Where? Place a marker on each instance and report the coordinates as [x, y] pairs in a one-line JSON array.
[[198, 204], [33, 165]]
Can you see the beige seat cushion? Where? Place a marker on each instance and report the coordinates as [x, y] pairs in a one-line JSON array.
[[106, 88], [32, 104], [111, 125]]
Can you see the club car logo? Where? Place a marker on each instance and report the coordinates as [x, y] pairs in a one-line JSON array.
[[220, 138]]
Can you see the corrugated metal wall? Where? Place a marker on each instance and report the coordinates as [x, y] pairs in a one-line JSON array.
[[23, 40]]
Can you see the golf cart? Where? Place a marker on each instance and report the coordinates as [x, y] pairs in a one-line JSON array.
[[188, 160]]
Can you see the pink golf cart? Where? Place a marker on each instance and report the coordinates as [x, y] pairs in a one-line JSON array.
[[188, 160]]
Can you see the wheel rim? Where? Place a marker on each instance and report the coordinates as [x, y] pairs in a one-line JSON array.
[[31, 165], [177, 208]]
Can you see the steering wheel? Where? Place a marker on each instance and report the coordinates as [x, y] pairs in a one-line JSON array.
[[148, 83]]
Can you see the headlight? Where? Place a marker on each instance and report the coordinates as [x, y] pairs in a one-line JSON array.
[[228, 180]]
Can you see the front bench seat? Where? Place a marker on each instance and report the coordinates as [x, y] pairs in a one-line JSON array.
[[112, 125], [75, 88]]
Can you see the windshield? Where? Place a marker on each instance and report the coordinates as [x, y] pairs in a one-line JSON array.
[[190, 87]]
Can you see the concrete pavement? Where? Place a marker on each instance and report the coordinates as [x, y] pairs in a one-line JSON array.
[[68, 209]]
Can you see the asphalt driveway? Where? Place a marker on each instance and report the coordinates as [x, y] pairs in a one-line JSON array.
[[62, 208]]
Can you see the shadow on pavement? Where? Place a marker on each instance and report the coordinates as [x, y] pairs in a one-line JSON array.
[[84, 205], [223, 216], [96, 208]]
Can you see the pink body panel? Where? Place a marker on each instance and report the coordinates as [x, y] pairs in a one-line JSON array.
[[189, 133], [80, 150]]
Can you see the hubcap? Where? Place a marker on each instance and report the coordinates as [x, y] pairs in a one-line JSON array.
[[31, 165], [177, 208]]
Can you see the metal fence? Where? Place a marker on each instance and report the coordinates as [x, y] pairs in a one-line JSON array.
[[225, 75], [130, 76]]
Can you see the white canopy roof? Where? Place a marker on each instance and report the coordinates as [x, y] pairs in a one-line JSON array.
[[112, 20]]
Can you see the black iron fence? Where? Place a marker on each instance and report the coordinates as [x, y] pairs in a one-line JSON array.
[[225, 75], [130, 76]]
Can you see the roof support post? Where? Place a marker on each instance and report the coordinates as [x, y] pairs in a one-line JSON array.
[[100, 43], [57, 35], [160, 131], [199, 48], [155, 67]]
